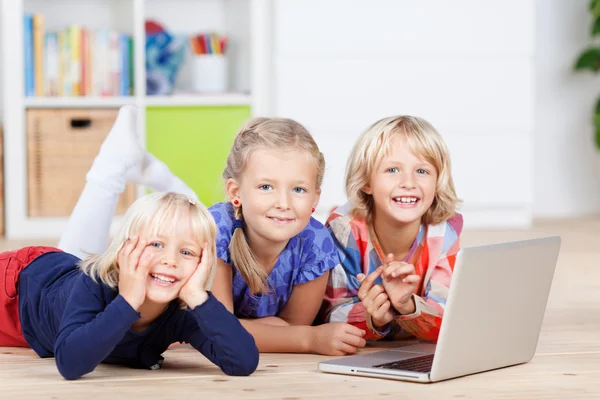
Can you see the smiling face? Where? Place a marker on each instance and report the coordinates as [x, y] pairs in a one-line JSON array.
[[174, 255], [277, 191], [403, 185]]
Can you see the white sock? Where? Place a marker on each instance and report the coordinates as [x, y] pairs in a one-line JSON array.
[[157, 176], [120, 152], [88, 229]]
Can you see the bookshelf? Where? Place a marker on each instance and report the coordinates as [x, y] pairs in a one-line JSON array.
[[248, 23]]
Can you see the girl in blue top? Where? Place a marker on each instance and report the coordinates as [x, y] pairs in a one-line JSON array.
[[273, 257]]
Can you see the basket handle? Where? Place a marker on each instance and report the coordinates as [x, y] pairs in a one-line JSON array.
[[81, 123]]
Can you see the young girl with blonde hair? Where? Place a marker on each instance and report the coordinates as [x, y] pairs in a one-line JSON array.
[[273, 257], [127, 304], [399, 232]]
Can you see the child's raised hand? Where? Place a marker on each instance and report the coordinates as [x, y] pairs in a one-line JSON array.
[[134, 266], [375, 299], [193, 293], [400, 282], [336, 339]]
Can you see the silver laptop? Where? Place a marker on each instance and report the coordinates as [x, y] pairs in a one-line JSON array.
[[492, 318]]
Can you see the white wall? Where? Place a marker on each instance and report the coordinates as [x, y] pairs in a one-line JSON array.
[[466, 66], [567, 166]]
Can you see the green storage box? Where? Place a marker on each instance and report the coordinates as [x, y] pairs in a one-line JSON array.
[[194, 142]]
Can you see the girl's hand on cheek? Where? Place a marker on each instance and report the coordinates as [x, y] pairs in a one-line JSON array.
[[134, 266], [193, 292]]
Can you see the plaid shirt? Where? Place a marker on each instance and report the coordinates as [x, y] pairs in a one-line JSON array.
[[433, 255]]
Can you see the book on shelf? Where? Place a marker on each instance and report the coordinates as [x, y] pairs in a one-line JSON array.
[[76, 61]]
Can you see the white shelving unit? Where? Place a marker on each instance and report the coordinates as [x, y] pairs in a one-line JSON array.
[[247, 22], [232, 99], [228, 99], [78, 102]]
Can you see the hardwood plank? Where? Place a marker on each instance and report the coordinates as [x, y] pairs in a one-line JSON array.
[[566, 364], [570, 375]]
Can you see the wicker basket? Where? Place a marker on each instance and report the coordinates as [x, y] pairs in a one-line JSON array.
[[61, 146]]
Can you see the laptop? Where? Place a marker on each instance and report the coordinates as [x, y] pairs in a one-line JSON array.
[[492, 319]]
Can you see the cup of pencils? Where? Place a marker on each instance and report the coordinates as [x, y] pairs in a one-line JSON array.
[[209, 63]]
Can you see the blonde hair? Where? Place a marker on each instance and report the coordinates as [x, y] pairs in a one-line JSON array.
[[152, 214], [375, 143], [260, 133]]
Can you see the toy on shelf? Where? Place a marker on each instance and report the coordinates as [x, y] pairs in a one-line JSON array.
[[165, 54]]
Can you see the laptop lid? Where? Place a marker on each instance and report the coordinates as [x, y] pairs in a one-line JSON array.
[[496, 305]]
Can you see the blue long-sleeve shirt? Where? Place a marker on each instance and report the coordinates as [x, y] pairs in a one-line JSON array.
[[67, 315]]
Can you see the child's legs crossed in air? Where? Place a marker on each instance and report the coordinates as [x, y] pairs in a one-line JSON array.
[[11, 265], [121, 160]]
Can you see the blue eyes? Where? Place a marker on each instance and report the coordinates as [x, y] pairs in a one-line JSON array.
[[159, 245], [419, 171], [269, 187]]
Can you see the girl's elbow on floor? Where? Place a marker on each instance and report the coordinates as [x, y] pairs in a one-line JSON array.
[[244, 367], [68, 372]]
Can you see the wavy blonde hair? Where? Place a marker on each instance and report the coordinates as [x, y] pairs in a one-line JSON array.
[[375, 143], [263, 133], [152, 214]]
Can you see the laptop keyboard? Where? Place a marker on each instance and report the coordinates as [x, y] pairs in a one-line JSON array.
[[417, 364]]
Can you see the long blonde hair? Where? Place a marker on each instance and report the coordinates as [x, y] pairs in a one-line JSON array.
[[269, 133], [423, 140], [151, 214]]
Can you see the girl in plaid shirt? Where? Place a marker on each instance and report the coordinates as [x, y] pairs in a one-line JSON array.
[[398, 234]]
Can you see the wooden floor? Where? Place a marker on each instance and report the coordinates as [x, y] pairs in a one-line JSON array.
[[566, 365]]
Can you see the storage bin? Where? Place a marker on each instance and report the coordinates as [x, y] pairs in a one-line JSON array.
[[61, 146]]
